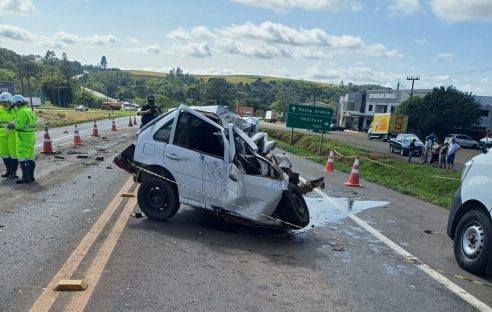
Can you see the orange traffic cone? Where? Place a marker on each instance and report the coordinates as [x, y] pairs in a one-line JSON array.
[[130, 124], [113, 126], [134, 120], [330, 165], [353, 179], [47, 148], [76, 137], [95, 133]]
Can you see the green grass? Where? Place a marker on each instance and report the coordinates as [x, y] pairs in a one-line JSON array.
[[421, 181], [65, 117], [229, 78]]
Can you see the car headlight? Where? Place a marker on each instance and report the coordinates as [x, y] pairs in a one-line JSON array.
[[466, 168]]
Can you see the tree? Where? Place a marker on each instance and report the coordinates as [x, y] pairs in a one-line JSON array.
[[219, 92], [104, 62], [66, 68], [442, 111], [49, 59]]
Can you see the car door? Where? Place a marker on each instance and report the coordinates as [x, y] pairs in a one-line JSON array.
[[184, 163]]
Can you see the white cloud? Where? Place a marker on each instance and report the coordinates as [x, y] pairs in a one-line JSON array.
[[132, 40], [179, 34], [15, 33], [100, 40], [380, 51], [153, 48], [202, 32], [281, 6], [458, 10], [256, 51], [443, 57], [52, 44], [17, 6], [270, 40], [358, 75], [404, 7], [420, 41], [279, 33], [69, 39], [196, 49], [216, 71]]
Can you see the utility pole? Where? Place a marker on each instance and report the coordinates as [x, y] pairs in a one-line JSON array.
[[413, 81]]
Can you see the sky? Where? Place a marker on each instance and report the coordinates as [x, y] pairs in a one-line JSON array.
[[444, 42]]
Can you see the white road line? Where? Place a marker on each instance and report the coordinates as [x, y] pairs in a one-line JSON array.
[[457, 290]]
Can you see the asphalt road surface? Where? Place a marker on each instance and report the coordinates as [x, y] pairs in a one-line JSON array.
[[73, 223], [359, 139]]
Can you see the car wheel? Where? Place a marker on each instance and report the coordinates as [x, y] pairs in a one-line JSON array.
[[473, 241], [157, 199], [402, 152], [475, 146], [293, 209], [391, 149]]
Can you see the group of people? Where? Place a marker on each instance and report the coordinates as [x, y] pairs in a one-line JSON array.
[[442, 154], [17, 137]]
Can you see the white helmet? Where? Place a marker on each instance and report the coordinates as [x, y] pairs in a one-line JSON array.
[[18, 100], [5, 97]]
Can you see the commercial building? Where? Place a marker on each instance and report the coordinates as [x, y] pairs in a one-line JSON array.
[[356, 110]]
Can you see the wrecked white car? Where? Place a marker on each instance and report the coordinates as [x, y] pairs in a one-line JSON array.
[[196, 158]]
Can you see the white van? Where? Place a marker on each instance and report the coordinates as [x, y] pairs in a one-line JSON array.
[[470, 218]]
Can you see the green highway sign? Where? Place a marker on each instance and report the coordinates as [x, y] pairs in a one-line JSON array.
[[309, 117]]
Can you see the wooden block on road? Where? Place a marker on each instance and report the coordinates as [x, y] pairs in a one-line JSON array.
[[70, 285]]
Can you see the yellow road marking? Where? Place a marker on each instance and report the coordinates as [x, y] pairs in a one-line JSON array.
[[48, 296], [80, 299]]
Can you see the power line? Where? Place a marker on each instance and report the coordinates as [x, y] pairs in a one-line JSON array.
[[467, 72]]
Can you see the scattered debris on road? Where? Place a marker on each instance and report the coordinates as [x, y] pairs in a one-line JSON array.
[[99, 158], [82, 156]]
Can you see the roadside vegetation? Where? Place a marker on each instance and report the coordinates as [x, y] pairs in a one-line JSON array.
[[63, 117], [433, 185]]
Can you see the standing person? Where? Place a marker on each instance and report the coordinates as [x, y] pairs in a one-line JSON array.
[[25, 126], [431, 137], [149, 111], [436, 150], [452, 149], [444, 152], [411, 149], [7, 136]]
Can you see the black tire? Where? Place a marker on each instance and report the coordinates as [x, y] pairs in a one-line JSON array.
[[157, 199], [293, 208], [475, 146], [402, 152], [391, 149], [473, 233]]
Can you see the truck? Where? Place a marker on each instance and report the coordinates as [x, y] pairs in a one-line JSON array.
[[386, 126], [245, 111], [271, 116]]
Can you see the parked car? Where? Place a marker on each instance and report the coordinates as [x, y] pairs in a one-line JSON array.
[[470, 219], [190, 157], [462, 139], [81, 108], [486, 141], [402, 144], [335, 127]]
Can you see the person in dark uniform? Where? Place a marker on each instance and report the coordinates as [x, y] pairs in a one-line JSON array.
[[149, 111]]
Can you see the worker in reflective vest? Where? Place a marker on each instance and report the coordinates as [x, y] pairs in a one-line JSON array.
[[25, 126], [7, 136]]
